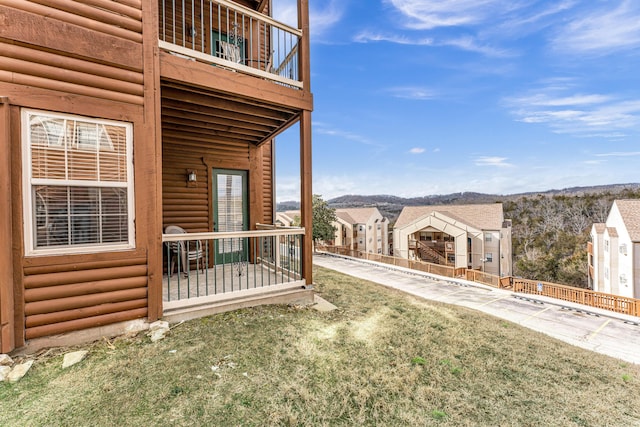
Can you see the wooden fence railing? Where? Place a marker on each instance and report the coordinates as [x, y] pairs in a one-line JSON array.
[[616, 303], [440, 270], [619, 304]]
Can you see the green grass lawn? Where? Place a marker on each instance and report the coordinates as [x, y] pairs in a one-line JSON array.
[[383, 358]]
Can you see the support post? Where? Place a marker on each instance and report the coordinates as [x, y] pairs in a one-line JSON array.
[[7, 332], [306, 196], [149, 158], [306, 192]]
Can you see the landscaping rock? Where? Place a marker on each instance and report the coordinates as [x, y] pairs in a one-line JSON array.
[[19, 371], [4, 372], [71, 359], [5, 360], [322, 305], [158, 330]]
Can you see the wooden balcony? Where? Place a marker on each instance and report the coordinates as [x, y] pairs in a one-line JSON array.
[[230, 71], [212, 267], [229, 35]]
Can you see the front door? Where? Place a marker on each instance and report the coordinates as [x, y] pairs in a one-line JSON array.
[[230, 213]]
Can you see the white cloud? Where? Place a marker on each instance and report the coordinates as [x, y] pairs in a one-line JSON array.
[[500, 162], [578, 114], [467, 43], [321, 129], [416, 150], [322, 19], [368, 36], [412, 92], [471, 44], [429, 14], [602, 31], [620, 154]]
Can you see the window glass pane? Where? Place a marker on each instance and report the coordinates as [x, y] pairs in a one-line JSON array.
[[84, 210], [115, 224], [82, 164], [52, 220], [71, 160], [48, 163]]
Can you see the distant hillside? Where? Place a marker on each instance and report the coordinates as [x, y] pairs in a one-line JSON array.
[[390, 206]]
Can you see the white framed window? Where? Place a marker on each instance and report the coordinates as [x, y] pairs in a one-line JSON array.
[[488, 257], [623, 249], [488, 237], [606, 246], [77, 184]]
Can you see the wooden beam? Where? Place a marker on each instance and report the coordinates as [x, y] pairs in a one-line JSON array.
[[306, 196], [17, 233], [211, 100], [172, 122], [176, 111], [230, 97], [150, 152], [304, 58], [174, 68], [262, 5], [7, 331], [48, 99], [226, 114], [200, 137]]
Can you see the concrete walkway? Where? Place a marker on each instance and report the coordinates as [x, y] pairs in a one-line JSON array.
[[605, 332]]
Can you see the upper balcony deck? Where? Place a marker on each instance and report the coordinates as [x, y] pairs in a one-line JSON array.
[[231, 60], [233, 36]]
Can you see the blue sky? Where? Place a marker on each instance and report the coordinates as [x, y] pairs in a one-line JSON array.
[[423, 97]]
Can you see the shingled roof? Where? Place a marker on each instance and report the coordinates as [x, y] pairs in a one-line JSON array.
[[630, 213], [481, 216], [356, 215]]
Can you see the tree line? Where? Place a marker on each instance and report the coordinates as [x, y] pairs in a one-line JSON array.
[[550, 233]]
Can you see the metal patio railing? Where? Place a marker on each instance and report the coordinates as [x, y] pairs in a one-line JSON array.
[[233, 36], [207, 264]]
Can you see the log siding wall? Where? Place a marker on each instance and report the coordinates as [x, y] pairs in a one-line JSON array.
[[100, 58], [83, 58], [61, 298], [189, 205]]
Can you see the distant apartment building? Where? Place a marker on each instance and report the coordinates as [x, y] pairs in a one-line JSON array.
[[462, 236], [288, 218], [359, 229], [614, 251], [362, 229]]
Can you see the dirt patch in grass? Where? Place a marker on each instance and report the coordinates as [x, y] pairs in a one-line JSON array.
[[382, 358]]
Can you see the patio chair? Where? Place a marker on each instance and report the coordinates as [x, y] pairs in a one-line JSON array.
[[187, 250], [229, 51]]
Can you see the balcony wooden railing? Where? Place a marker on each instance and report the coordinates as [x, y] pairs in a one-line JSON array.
[[229, 35], [200, 265], [590, 248]]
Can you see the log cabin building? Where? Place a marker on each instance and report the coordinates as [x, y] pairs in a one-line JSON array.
[[137, 150]]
